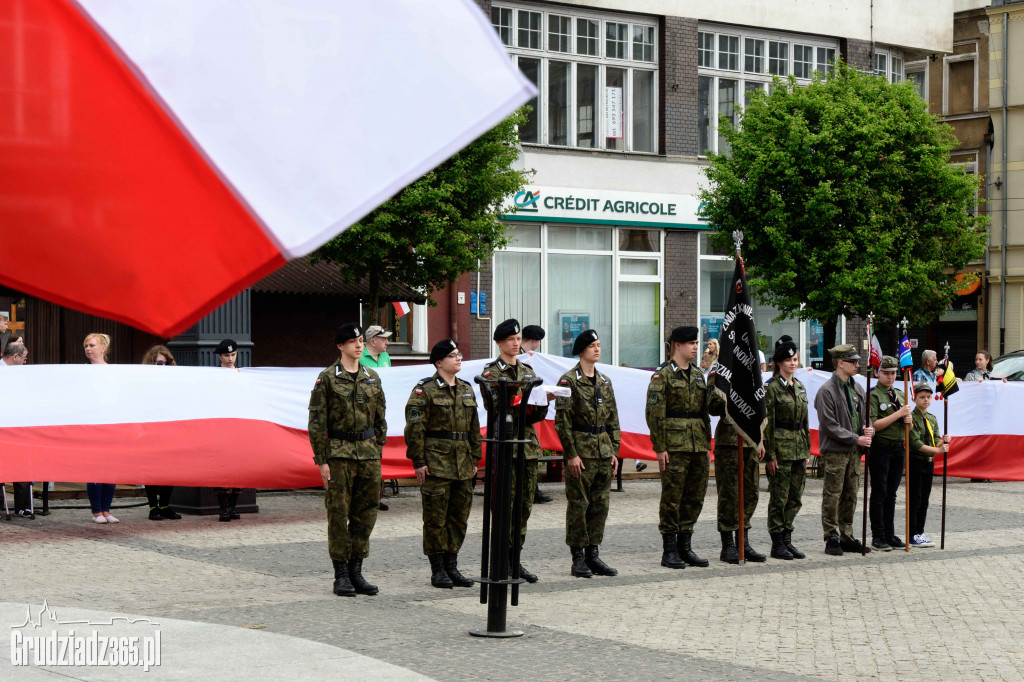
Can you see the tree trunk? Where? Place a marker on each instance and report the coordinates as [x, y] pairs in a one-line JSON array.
[[829, 329], [370, 315]]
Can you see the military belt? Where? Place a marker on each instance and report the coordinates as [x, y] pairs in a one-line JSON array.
[[683, 414], [789, 426], [351, 436], [893, 444], [590, 428], [448, 435]]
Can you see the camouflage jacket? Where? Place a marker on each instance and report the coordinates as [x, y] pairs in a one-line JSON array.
[[670, 394], [434, 406], [340, 404], [787, 436], [882, 405], [919, 436], [534, 413], [590, 405]]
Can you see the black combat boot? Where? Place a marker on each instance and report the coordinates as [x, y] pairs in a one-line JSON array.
[[342, 586], [523, 573], [749, 553], [595, 564], [579, 564], [779, 549], [438, 576], [686, 552], [669, 554], [222, 500], [232, 501], [451, 567], [788, 539], [539, 497], [730, 554], [355, 575]]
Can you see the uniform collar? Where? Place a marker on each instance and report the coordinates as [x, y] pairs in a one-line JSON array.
[[340, 371]]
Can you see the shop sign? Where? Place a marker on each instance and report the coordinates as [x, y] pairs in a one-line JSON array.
[[567, 204]]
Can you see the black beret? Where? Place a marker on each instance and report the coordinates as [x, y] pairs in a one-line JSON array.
[[583, 340], [441, 349], [534, 332], [346, 332], [506, 329], [783, 339], [683, 335], [784, 350], [226, 346]]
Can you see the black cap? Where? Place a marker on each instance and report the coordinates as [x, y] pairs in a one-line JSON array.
[[783, 339], [784, 350], [441, 349], [346, 332], [583, 340], [226, 346], [683, 335], [506, 329], [533, 332]]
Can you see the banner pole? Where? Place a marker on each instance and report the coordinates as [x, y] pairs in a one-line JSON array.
[[906, 460], [945, 431], [741, 532], [867, 451]]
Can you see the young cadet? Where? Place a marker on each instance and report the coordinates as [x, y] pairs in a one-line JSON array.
[[442, 438], [889, 414], [532, 336], [347, 431], [587, 423], [925, 443], [677, 413], [787, 446], [509, 338]]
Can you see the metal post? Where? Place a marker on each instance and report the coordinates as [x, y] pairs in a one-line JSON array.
[[741, 531], [945, 430]]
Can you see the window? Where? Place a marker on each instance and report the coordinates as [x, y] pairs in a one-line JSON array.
[[615, 40], [826, 59], [726, 108], [501, 18], [897, 70], [596, 76], [706, 50], [559, 32], [568, 278], [729, 53], [749, 88], [917, 74], [960, 80], [704, 114], [881, 66], [778, 58], [803, 61], [753, 55], [889, 64]]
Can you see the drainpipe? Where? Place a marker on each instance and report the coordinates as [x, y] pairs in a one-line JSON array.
[[987, 289], [453, 316], [1006, 191]]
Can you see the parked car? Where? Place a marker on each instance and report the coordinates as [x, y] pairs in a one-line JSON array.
[[1010, 366]]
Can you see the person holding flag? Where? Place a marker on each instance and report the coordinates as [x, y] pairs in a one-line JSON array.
[[925, 443], [889, 415]]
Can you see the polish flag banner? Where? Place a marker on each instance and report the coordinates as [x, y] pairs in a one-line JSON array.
[[204, 426], [875, 359], [158, 156], [401, 309]]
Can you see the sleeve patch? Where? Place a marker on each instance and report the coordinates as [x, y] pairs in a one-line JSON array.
[[413, 414], [652, 399], [563, 382], [419, 391], [561, 402]]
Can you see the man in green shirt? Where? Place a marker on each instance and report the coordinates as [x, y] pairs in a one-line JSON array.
[[375, 352]]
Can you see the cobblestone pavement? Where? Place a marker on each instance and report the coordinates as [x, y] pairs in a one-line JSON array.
[[930, 614]]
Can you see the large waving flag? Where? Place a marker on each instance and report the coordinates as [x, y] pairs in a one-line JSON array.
[[157, 156]]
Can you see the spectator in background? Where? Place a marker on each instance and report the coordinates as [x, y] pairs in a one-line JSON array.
[[927, 370], [15, 353], [532, 336], [227, 498], [101, 495], [764, 363], [159, 496], [375, 352], [710, 356], [982, 367]]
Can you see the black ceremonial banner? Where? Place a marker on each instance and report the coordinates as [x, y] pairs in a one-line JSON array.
[[738, 369]]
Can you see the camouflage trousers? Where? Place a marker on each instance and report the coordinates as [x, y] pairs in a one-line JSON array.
[[446, 505], [529, 486], [786, 487], [587, 498], [839, 494], [728, 485], [684, 482], [352, 499]]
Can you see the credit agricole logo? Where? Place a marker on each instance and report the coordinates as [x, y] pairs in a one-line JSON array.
[[526, 201]]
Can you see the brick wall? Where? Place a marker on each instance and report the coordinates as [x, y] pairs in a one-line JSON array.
[[857, 53], [680, 279], [678, 86], [480, 330]]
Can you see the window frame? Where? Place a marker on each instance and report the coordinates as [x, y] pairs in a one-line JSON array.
[[963, 57], [919, 66]]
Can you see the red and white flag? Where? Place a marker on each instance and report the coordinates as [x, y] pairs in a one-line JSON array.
[[875, 360], [401, 309], [158, 156]]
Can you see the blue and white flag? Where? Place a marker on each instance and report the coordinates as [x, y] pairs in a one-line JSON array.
[[905, 359]]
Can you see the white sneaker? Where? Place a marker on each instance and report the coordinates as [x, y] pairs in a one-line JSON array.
[[112, 519], [923, 541], [99, 519]]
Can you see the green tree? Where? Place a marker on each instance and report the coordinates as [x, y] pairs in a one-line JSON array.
[[439, 226], [847, 201]]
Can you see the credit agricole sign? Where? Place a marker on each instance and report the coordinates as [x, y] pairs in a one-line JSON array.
[[606, 207]]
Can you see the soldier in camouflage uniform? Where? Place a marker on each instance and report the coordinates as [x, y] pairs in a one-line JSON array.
[[787, 440], [677, 412], [442, 438], [587, 423], [508, 364], [890, 414], [347, 431]]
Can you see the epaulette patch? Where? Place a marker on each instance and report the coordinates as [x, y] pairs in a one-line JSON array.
[[319, 381], [418, 391], [486, 374]]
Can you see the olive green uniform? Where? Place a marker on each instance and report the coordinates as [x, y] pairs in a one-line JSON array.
[[677, 413], [787, 442], [726, 455], [587, 423], [534, 413], [347, 431], [442, 433]]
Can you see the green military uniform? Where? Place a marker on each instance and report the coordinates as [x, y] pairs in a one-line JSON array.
[[347, 431], [726, 453], [923, 432], [587, 423], [787, 441], [677, 413], [885, 460], [442, 432], [534, 413]]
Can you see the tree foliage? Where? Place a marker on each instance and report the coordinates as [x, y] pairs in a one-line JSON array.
[[436, 228], [847, 201]]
